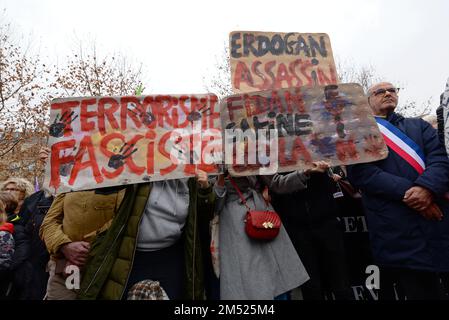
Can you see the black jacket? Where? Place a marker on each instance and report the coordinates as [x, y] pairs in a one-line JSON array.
[[309, 207], [31, 256]]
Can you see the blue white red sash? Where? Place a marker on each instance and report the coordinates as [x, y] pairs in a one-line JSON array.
[[405, 147]]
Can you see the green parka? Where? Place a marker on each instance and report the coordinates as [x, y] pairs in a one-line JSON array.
[[112, 253]]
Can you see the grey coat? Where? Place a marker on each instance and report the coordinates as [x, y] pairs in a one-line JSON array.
[[252, 269]]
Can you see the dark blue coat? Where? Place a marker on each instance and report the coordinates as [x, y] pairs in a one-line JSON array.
[[31, 256], [401, 237]]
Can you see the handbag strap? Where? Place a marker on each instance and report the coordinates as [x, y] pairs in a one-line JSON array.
[[239, 193]]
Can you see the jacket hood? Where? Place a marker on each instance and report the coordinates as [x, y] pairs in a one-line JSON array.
[[9, 227]]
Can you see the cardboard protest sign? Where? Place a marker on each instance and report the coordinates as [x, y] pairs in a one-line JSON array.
[[445, 104], [269, 60], [287, 129], [105, 141]]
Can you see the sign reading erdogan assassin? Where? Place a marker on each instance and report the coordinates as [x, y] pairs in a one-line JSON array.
[[105, 141], [270, 60]]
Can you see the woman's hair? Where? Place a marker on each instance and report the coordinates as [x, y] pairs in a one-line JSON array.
[[3, 216], [10, 202], [22, 184]]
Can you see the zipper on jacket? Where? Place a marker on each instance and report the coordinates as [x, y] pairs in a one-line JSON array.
[[107, 254], [133, 255], [102, 263]]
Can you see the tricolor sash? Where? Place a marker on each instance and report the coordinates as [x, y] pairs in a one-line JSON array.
[[405, 147]]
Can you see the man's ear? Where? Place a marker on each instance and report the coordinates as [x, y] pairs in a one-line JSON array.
[[369, 102]]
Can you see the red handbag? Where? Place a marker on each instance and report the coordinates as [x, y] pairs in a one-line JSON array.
[[260, 225]]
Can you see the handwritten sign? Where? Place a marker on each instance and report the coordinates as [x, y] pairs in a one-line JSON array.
[[332, 123], [270, 60], [105, 141]]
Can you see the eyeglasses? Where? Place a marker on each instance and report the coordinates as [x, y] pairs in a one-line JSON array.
[[11, 189], [383, 91]]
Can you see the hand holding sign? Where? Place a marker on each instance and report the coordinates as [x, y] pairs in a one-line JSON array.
[[318, 166], [201, 177]]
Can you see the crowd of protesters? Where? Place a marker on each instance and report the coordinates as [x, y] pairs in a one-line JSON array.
[[152, 240]]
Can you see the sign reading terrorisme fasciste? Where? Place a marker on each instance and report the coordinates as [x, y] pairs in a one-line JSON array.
[[332, 123], [105, 141], [270, 60]]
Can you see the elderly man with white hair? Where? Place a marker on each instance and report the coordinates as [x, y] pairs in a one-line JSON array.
[[403, 197]]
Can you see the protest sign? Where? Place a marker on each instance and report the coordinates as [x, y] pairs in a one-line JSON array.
[[269, 60], [105, 141], [287, 129]]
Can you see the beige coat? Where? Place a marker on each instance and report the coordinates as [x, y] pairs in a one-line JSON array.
[[78, 216]]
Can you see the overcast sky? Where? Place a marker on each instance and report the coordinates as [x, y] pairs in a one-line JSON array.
[[178, 42]]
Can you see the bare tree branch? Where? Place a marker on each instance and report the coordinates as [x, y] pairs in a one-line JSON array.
[[10, 147]]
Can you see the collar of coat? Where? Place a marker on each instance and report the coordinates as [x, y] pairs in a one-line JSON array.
[[394, 118]]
